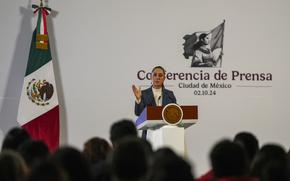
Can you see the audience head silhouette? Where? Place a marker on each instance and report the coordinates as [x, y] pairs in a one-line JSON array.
[[130, 160], [12, 166], [271, 161], [73, 163], [228, 159], [47, 171], [249, 142], [167, 165], [121, 129], [34, 152], [96, 150], [14, 138]]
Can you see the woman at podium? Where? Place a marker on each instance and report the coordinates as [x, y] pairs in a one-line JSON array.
[[156, 95]]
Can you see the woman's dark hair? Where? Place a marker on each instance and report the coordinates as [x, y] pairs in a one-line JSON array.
[[159, 67]]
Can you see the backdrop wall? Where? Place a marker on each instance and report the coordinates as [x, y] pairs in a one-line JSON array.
[[100, 46]]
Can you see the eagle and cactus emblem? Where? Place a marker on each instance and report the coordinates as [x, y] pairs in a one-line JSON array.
[[39, 91]]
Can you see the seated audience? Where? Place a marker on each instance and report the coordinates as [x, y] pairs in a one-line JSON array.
[[250, 145], [131, 158]]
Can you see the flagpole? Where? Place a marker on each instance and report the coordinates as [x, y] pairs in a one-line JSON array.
[[223, 42]]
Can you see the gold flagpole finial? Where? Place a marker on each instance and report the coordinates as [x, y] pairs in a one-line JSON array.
[[41, 3]]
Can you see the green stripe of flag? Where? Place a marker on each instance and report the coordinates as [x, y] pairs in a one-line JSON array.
[[37, 57], [39, 21]]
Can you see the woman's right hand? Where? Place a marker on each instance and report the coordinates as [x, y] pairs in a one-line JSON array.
[[137, 92]]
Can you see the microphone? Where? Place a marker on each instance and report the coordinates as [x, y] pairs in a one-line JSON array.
[[159, 98]]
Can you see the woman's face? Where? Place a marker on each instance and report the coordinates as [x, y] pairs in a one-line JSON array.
[[206, 40], [158, 77]]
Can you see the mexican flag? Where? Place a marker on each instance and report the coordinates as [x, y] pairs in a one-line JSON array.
[[38, 111]]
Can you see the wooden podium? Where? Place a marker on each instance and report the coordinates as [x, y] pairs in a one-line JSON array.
[[162, 132]]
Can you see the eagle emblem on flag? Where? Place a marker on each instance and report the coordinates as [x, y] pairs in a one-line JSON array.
[[39, 92]]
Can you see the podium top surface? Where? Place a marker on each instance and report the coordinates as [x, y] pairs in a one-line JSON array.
[[155, 112], [151, 116]]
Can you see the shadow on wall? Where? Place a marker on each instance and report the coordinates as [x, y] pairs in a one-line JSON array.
[[10, 102], [58, 81], [17, 71]]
